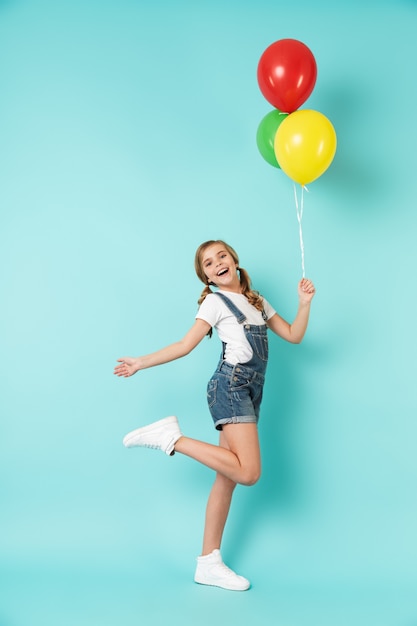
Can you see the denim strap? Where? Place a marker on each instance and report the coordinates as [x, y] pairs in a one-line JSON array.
[[237, 312], [233, 308]]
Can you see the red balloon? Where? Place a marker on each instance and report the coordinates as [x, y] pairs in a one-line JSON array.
[[287, 73]]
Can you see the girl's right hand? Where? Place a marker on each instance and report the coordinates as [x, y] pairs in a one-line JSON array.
[[128, 366]]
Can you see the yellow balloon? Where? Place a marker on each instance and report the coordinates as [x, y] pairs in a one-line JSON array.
[[305, 144]]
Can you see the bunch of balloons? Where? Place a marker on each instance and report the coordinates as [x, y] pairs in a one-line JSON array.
[[301, 143]]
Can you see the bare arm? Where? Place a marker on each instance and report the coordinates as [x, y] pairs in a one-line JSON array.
[[130, 365], [295, 332]]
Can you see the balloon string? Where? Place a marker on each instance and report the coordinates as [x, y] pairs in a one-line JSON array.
[[300, 210]]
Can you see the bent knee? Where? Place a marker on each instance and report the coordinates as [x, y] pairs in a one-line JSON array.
[[250, 477]]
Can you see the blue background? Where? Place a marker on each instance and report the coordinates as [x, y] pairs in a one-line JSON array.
[[127, 137]]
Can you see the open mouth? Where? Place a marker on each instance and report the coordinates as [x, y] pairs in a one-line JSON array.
[[222, 272]]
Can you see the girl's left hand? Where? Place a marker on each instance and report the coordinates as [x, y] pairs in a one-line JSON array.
[[306, 290]]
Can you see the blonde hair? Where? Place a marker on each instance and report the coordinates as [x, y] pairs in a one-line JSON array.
[[253, 296]]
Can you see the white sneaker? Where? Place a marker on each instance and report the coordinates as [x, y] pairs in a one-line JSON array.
[[212, 571], [161, 435]]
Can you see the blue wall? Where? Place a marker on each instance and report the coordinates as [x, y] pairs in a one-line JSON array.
[[127, 137]]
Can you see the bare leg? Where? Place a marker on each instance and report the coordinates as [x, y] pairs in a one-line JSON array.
[[218, 506], [240, 462], [235, 460]]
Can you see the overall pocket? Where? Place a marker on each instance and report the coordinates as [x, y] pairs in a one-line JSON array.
[[212, 392], [260, 345]]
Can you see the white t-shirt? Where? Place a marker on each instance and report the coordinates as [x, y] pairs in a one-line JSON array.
[[216, 313]]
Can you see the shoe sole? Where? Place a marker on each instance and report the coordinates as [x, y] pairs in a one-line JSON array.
[[221, 586], [130, 437]]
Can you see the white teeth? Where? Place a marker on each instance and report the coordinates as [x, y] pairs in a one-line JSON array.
[[222, 272]]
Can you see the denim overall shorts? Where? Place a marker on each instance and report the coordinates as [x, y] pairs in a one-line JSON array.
[[234, 392]]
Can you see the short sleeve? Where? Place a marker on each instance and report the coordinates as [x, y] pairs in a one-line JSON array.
[[210, 310], [269, 310]]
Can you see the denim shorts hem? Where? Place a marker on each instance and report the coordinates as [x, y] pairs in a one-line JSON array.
[[240, 419]]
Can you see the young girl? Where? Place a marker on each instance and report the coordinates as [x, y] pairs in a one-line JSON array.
[[241, 318]]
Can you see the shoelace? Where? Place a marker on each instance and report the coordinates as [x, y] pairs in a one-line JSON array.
[[226, 571]]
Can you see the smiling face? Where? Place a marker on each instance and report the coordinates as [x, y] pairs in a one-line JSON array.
[[220, 267]]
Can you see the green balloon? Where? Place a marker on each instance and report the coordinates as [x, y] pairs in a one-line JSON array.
[[265, 135]]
